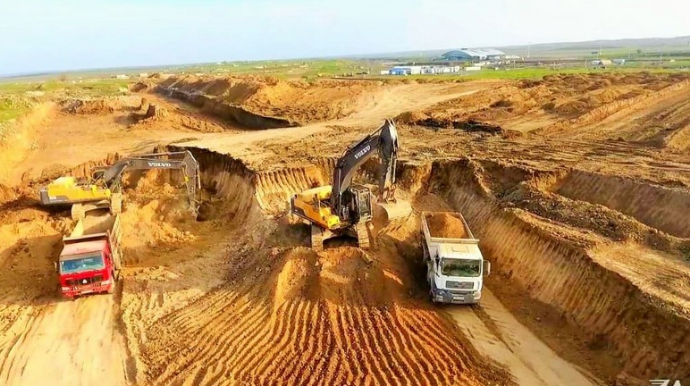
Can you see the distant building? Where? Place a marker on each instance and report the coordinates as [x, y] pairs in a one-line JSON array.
[[601, 63], [415, 70], [406, 70], [618, 62], [473, 54]]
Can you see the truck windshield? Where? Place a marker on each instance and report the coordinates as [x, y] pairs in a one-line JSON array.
[[89, 262], [461, 267]]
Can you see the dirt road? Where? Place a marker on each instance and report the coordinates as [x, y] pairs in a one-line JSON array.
[[495, 332], [67, 343]]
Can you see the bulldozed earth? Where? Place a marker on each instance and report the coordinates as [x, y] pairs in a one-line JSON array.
[[576, 185]]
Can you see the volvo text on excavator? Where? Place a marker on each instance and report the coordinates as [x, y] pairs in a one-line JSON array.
[[103, 190], [344, 208]]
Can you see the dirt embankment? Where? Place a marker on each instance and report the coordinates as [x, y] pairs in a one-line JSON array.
[[266, 102], [555, 102], [99, 106], [19, 138], [637, 199]]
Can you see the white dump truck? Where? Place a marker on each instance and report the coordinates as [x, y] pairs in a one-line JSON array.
[[455, 265]]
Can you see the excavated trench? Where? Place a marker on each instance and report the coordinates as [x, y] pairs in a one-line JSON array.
[[637, 199], [304, 309], [225, 110], [237, 295], [283, 313], [567, 270]]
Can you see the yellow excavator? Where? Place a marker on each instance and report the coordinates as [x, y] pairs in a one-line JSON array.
[[104, 191], [344, 208]]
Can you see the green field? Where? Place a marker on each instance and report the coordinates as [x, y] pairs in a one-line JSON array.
[[15, 93], [12, 108], [97, 87], [16, 97]]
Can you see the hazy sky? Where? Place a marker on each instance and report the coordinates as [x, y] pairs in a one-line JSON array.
[[40, 35]]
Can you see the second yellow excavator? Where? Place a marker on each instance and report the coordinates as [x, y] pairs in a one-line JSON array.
[[103, 190]]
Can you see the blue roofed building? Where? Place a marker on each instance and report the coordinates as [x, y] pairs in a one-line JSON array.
[[473, 54]]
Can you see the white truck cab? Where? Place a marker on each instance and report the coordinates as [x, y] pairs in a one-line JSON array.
[[455, 266]]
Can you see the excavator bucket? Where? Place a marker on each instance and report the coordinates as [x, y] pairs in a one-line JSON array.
[[396, 210], [385, 212]]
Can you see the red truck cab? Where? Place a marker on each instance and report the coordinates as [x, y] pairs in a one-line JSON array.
[[89, 263]]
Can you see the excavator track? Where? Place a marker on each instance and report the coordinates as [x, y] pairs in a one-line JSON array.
[[316, 238], [362, 235]]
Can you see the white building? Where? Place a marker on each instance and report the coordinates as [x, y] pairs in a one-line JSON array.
[[406, 70], [415, 70]]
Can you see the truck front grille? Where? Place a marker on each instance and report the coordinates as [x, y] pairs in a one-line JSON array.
[[85, 281], [459, 284]]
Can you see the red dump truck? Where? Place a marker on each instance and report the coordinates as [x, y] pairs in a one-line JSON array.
[[90, 259]]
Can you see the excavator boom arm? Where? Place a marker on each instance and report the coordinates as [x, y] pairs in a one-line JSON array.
[[184, 161], [384, 141]]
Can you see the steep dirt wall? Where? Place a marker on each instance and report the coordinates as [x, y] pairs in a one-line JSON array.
[[268, 192], [637, 199], [227, 111], [540, 258], [229, 179], [17, 139]]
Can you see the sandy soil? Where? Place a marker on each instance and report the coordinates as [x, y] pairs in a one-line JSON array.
[[576, 187], [47, 351], [498, 335], [445, 225]]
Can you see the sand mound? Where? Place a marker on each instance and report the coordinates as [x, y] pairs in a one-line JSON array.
[[411, 118], [156, 217], [99, 106], [328, 323], [297, 277], [445, 225]]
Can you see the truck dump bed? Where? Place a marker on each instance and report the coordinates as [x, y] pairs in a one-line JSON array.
[[95, 227], [445, 225], [93, 224]]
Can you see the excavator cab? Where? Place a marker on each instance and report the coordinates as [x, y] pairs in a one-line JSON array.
[[361, 198]]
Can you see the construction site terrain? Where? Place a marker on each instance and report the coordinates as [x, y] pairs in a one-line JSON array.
[[578, 187]]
